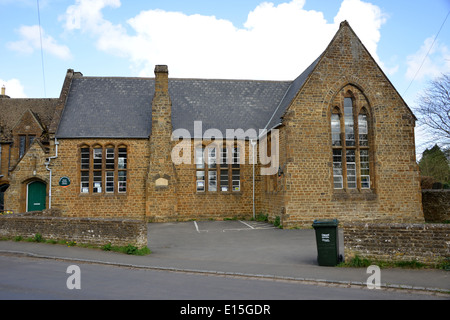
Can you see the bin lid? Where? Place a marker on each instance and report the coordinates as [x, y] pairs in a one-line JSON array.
[[326, 223]]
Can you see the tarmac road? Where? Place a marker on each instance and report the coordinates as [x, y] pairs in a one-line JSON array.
[[26, 278]]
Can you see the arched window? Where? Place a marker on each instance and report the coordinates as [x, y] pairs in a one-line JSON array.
[[363, 128], [122, 165], [350, 141], [97, 155], [85, 155]]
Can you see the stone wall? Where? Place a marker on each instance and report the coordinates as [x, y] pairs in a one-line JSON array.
[[426, 243], [436, 205], [81, 230]]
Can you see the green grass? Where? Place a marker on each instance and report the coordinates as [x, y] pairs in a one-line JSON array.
[[129, 249], [358, 262]]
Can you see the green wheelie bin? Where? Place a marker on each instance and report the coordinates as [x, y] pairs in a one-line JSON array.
[[327, 240]]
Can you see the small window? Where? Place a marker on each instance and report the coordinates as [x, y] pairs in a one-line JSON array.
[[336, 129], [212, 169], [85, 182], [199, 158], [122, 173], [22, 145], [224, 158], [212, 181], [363, 131], [122, 181], [122, 161], [110, 158], [97, 155], [30, 140], [85, 159], [109, 182], [351, 169], [212, 159], [224, 181], [236, 174], [349, 123], [236, 157], [200, 181], [337, 169], [25, 142], [236, 180], [97, 182], [365, 170]]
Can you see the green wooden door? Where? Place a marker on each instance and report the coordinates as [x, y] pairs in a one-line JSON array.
[[36, 196]]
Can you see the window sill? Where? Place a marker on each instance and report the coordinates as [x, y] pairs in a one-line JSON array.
[[354, 194], [219, 193], [102, 194]]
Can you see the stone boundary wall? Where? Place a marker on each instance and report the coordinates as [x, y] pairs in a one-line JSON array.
[[436, 205], [94, 231], [426, 243]]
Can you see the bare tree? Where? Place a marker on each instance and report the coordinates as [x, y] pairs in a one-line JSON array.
[[434, 109]]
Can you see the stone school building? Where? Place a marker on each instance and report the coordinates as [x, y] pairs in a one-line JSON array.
[[336, 142]]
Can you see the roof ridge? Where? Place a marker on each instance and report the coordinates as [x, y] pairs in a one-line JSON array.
[[184, 79]]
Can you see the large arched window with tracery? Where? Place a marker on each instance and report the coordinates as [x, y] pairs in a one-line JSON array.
[[350, 139]]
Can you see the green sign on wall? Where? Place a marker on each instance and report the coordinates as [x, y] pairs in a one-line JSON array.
[[64, 182]]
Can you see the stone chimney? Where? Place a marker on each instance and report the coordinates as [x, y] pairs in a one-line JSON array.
[[3, 95], [161, 181], [161, 80], [161, 104]]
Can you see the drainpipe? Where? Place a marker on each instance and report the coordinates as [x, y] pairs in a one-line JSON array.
[[253, 143], [47, 163]]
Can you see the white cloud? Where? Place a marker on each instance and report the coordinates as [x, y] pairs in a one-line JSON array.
[[430, 61], [31, 41], [276, 42], [86, 15], [366, 19], [13, 88]]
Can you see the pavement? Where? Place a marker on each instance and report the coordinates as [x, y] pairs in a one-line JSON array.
[[246, 249]]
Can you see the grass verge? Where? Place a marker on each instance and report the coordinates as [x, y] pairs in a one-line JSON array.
[[129, 249], [358, 262]]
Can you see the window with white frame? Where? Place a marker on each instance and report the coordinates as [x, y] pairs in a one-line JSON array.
[[221, 172], [103, 170]]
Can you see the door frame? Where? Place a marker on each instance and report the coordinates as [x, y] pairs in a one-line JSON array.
[[27, 192]]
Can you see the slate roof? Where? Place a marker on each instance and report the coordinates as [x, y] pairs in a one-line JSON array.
[[224, 104], [114, 107], [12, 109], [101, 107]]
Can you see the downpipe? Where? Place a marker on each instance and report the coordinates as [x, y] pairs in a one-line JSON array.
[[47, 163]]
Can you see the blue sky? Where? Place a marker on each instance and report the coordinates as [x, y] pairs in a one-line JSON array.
[[240, 39]]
